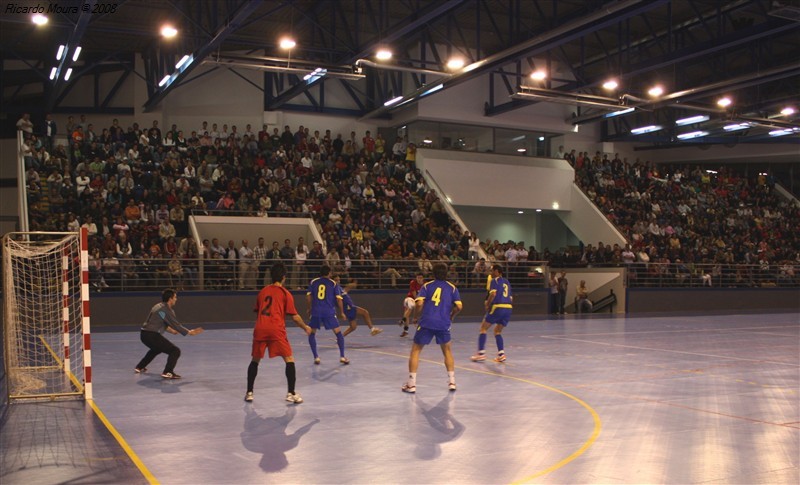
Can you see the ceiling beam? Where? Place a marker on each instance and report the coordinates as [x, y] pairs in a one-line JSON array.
[[613, 14], [367, 50], [231, 26]]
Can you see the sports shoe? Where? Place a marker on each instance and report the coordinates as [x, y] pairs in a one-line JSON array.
[[249, 396], [401, 322], [317, 361], [451, 386], [409, 389], [295, 398], [140, 371], [404, 333], [375, 331], [170, 375], [344, 361], [478, 358], [500, 358]]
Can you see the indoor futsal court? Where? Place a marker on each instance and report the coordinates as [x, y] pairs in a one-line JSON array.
[[662, 399]]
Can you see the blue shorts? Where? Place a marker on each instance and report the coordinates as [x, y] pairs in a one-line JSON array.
[[329, 322], [500, 316], [423, 336], [350, 313]]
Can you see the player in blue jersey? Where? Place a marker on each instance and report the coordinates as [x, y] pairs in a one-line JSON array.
[[352, 312], [438, 301], [324, 298], [498, 312]]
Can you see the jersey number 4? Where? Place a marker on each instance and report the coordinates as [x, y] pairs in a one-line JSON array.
[[437, 296]]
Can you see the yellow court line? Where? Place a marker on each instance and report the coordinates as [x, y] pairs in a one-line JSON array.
[[598, 425], [61, 364], [124, 444], [111, 429]]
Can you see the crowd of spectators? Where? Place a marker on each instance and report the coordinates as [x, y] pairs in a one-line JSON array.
[[678, 216], [134, 189]]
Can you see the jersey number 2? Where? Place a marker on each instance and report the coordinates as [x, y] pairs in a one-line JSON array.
[[267, 306]]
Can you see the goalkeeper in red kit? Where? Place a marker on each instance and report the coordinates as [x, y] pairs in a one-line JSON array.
[[274, 303]]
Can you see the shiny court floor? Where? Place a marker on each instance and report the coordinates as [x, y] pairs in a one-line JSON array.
[[690, 399]]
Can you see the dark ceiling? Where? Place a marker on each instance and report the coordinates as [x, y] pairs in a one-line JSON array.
[[698, 50]]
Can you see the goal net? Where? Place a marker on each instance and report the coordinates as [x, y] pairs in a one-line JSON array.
[[46, 315]]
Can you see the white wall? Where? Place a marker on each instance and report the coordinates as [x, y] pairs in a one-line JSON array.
[[587, 222], [491, 180]]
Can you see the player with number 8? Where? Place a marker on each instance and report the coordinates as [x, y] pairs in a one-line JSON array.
[[324, 298]]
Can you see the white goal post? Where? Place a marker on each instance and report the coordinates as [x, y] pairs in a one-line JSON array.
[[47, 351]]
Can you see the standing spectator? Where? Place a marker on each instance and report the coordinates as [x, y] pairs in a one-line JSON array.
[[288, 256], [563, 284], [50, 131], [584, 304], [247, 266], [260, 253], [554, 299], [25, 125]]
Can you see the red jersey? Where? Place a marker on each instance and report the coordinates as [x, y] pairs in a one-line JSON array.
[[273, 304], [413, 288]]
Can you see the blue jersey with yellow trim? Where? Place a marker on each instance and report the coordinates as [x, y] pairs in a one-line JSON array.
[[324, 292], [502, 293], [439, 297]]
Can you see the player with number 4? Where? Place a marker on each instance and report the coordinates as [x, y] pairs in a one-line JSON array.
[[273, 304], [437, 303]]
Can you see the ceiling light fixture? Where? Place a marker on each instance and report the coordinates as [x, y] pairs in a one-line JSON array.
[[68, 74], [383, 54], [393, 101], [287, 43], [39, 19], [520, 212], [163, 81], [60, 52], [736, 127], [692, 134], [655, 91], [53, 72], [169, 31], [455, 63], [645, 129], [619, 113], [724, 102], [610, 85], [692, 119], [521, 150], [184, 60], [538, 75], [787, 111], [76, 54]]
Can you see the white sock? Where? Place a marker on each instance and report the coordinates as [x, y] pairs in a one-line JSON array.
[[412, 379], [452, 377]]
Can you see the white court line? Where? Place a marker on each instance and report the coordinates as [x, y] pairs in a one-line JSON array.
[[671, 351], [687, 330]]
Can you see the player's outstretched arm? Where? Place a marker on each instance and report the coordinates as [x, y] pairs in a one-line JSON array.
[[196, 331], [298, 320]]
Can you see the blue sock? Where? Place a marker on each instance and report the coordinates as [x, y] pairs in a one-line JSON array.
[[340, 343], [312, 341], [499, 339], [481, 342]]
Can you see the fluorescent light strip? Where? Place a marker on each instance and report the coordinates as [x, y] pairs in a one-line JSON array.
[[432, 90], [183, 61], [787, 131], [692, 134], [164, 81], [68, 74], [76, 54], [618, 113], [645, 129], [691, 119], [53, 72], [393, 101], [61, 50], [736, 127]]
